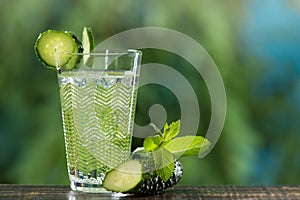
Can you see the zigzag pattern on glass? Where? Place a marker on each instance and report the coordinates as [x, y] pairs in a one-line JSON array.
[[96, 125]]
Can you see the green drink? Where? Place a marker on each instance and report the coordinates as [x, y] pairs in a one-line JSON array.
[[98, 107]]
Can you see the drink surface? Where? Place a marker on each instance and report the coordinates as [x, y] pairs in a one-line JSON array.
[[98, 115]]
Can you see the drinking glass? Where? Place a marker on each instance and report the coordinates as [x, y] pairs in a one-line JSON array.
[[98, 100]]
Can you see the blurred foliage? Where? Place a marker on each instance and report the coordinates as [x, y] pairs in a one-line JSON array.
[[260, 70]]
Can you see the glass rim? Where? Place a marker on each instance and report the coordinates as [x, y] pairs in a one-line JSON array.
[[109, 52]]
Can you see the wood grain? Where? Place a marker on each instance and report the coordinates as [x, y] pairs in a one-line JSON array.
[[49, 192]]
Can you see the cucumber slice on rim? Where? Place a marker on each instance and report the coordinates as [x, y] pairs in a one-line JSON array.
[[53, 48], [88, 43]]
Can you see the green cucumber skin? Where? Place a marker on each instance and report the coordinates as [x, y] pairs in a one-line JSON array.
[[152, 184], [75, 38], [91, 38]]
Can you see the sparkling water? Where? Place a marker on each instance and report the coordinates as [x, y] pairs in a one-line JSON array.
[[98, 115]]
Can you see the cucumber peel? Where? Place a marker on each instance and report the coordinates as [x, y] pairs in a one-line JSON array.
[[88, 43]]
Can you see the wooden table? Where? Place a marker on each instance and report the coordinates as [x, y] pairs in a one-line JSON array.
[[45, 192]]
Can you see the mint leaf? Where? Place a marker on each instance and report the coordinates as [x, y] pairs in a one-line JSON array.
[[164, 163], [152, 143], [187, 146], [171, 131]]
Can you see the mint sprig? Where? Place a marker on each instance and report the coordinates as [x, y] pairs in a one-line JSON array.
[[165, 147], [155, 142]]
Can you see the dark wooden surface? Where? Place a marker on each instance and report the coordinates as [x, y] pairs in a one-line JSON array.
[[43, 192]]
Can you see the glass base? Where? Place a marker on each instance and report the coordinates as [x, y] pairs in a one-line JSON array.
[[88, 188], [94, 188]]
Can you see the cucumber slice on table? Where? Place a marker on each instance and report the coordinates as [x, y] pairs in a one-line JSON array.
[[53, 48], [125, 177], [136, 177]]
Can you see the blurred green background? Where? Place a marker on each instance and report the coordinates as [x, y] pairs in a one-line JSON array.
[[255, 44]]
